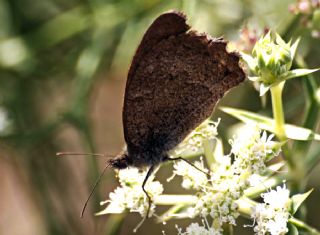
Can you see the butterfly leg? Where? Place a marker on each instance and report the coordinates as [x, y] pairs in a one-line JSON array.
[[151, 169], [187, 161]]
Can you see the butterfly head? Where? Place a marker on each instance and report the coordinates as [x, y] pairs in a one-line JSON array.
[[122, 161]]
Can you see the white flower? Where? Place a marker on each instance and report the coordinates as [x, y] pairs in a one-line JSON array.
[[130, 195], [278, 225], [252, 150], [255, 180], [218, 198], [117, 199], [272, 216], [206, 131], [192, 177], [218, 195], [277, 199], [196, 229]]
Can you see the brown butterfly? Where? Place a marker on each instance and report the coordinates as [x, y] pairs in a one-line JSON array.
[[175, 80]]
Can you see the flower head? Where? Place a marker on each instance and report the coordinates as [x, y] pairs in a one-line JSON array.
[[271, 61], [196, 229], [272, 215], [217, 196], [205, 131], [191, 177], [277, 199], [271, 58], [252, 149], [130, 195]]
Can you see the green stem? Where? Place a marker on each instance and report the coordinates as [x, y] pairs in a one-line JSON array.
[[227, 229], [296, 166], [303, 226], [208, 152], [278, 115], [277, 108], [114, 224]]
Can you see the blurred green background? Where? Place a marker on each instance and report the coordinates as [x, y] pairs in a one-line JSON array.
[[63, 67]]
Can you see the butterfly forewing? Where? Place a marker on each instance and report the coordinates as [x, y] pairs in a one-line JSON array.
[[175, 80]]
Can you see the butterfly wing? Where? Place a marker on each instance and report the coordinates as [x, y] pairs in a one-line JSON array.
[[176, 78], [166, 25]]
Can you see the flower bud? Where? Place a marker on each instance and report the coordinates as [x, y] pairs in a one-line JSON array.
[[274, 58]]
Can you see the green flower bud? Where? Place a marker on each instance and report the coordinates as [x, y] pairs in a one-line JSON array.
[[273, 57], [271, 62]]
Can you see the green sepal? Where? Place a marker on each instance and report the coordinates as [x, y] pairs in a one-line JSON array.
[[251, 62], [263, 89], [296, 73]]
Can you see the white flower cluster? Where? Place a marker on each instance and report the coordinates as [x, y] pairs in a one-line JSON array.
[[252, 150], [271, 217], [194, 141], [130, 195], [192, 178], [219, 194], [196, 229]]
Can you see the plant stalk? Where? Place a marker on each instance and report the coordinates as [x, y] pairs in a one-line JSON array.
[[277, 108]]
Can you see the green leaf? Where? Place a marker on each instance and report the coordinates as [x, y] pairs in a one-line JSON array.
[[298, 199], [317, 95], [180, 205], [292, 229], [266, 123], [297, 73], [300, 133], [276, 167]]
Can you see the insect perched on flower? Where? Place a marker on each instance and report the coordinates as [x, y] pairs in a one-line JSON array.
[[175, 80]]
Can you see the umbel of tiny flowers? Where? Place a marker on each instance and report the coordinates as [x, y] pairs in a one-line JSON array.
[[276, 212], [271, 61], [130, 195], [196, 229], [271, 217], [193, 143], [217, 197]]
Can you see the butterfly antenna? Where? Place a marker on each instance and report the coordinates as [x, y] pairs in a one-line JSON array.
[[61, 154], [93, 189]]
